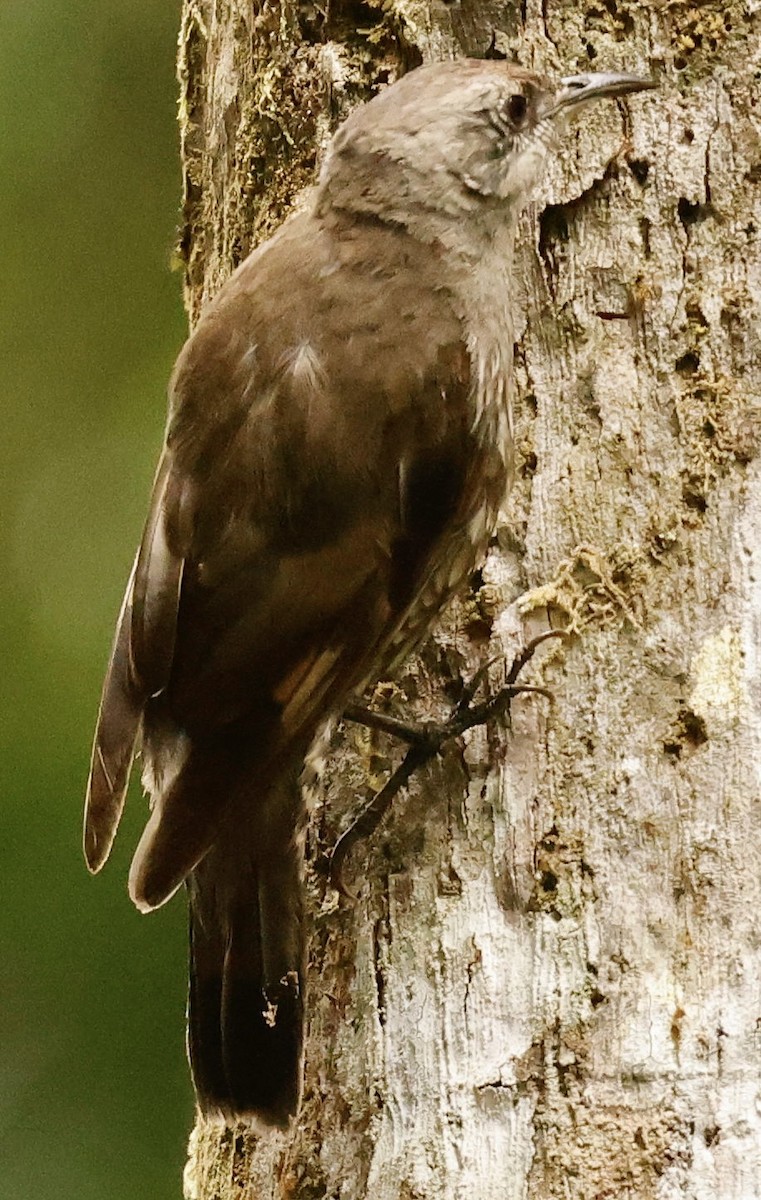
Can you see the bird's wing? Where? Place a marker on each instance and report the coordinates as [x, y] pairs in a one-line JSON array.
[[119, 716], [139, 666], [307, 485]]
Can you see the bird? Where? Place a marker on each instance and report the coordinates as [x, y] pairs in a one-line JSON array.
[[338, 445]]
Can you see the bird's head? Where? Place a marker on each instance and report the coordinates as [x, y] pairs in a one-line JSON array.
[[455, 139]]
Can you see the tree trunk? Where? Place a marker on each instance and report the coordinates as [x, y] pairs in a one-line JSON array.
[[550, 985]]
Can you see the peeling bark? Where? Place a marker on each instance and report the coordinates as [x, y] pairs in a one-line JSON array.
[[551, 984]]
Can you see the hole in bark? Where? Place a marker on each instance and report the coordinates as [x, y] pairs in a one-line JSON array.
[[689, 733], [694, 727], [549, 881], [688, 363], [692, 212], [694, 498], [553, 226], [479, 630], [493, 51], [640, 169]]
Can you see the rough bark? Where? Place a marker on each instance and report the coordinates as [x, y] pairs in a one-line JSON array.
[[551, 983]]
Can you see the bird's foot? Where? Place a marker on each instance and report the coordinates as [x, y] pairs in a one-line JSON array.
[[425, 740]]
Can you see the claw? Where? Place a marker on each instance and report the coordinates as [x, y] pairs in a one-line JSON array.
[[473, 684], [336, 864], [425, 742]]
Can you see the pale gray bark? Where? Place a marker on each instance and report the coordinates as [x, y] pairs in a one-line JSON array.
[[551, 984]]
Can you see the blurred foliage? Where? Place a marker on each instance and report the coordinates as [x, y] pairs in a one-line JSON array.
[[94, 1094]]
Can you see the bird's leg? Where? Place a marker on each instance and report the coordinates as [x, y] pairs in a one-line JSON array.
[[425, 740], [407, 731]]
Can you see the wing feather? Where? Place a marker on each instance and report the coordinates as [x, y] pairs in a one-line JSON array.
[[140, 665], [114, 744], [156, 593], [320, 501]]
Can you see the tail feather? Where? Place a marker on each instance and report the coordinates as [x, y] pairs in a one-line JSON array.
[[247, 972], [262, 1029], [204, 1032]]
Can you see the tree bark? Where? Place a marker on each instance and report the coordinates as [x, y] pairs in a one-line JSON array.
[[550, 985]]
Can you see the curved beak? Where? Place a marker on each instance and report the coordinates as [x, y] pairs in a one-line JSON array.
[[576, 90]]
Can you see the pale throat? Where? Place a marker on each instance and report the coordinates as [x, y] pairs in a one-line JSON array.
[[488, 290]]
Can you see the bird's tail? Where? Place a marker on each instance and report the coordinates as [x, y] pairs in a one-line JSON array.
[[247, 965]]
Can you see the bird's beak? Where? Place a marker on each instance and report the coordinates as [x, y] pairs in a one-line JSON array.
[[576, 90]]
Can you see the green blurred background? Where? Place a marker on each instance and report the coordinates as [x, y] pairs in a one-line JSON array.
[[94, 1096]]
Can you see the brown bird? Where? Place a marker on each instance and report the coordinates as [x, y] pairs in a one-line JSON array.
[[337, 448]]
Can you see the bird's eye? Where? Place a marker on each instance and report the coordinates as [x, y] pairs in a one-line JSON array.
[[515, 109]]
